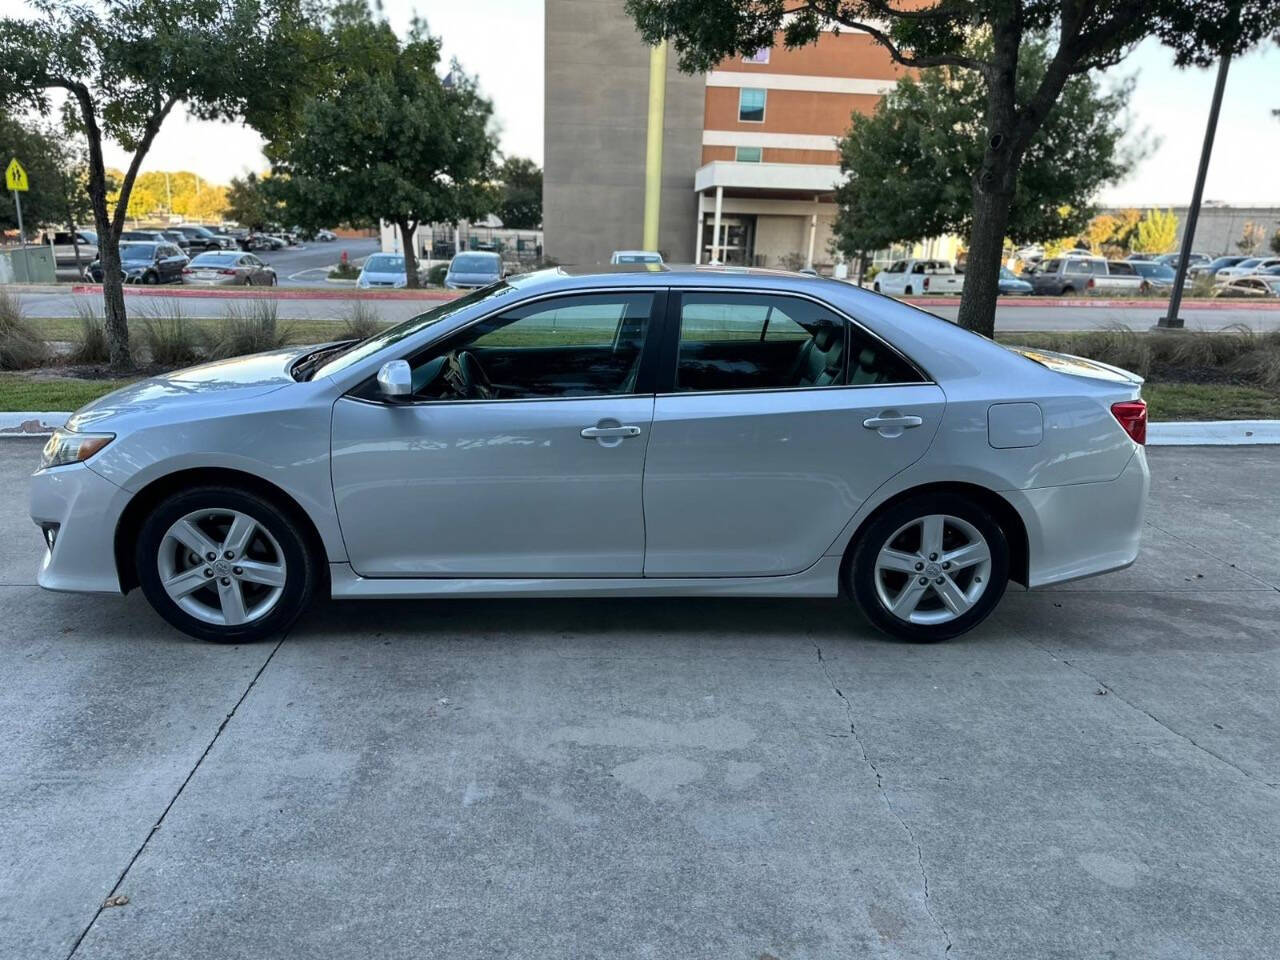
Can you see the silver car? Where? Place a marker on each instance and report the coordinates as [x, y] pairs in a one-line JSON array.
[[685, 432], [228, 268]]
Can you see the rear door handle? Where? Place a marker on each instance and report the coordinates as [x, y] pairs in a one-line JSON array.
[[879, 423], [597, 433]]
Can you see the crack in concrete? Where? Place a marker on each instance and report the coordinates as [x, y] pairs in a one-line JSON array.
[[1152, 717], [888, 804], [1214, 556], [172, 800]]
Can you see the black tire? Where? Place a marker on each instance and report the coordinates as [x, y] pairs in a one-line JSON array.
[[302, 570], [875, 287], [1065, 291], [150, 278], [862, 577]]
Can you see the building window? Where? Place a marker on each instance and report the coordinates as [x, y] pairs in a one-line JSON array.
[[751, 105], [748, 154], [760, 56]]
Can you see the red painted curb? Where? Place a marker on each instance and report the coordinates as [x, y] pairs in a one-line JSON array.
[[274, 293], [1075, 303]]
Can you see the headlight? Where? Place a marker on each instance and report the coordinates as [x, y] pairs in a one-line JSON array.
[[66, 447]]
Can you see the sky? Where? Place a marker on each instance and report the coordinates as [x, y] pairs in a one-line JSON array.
[[501, 41]]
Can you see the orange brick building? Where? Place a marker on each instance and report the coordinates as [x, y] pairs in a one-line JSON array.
[[755, 139]]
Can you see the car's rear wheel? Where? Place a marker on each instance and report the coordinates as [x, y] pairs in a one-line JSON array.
[[875, 287], [930, 567], [224, 564]]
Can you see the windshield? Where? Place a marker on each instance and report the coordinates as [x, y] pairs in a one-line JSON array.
[[1007, 274], [639, 258], [1148, 269], [474, 264], [137, 251], [384, 263], [409, 327]]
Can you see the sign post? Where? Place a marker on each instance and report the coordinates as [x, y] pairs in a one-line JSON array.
[[15, 179]]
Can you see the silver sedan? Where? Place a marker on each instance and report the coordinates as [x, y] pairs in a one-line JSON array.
[[229, 268], [681, 432]]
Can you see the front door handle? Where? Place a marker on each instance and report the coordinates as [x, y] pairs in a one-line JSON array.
[[876, 423], [598, 433]]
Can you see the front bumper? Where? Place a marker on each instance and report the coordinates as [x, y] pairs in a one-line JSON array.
[[1084, 529], [86, 509]]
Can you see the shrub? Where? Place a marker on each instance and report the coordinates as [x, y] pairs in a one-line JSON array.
[[248, 327], [91, 345], [435, 276], [170, 337], [360, 322], [345, 270], [20, 345]]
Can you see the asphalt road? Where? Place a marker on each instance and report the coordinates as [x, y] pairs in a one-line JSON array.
[[1009, 316], [1093, 773], [310, 264]]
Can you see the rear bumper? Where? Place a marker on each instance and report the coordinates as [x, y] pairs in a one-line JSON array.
[[1084, 529], [86, 509]]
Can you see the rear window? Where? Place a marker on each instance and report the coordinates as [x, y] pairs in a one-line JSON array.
[[215, 260], [137, 251]]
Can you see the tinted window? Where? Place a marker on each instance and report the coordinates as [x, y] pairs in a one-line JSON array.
[[384, 263], [751, 105], [577, 346], [137, 251], [1119, 269], [748, 154], [472, 264], [1050, 266], [761, 341]]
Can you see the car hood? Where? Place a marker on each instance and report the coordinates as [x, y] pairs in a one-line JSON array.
[[239, 378], [377, 276]]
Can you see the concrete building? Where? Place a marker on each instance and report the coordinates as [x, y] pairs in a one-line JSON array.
[[1221, 225], [750, 146]]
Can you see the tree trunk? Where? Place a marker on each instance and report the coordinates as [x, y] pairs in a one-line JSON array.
[[409, 244], [114, 319], [986, 254]]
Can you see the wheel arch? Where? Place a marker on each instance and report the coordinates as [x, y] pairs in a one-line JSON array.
[[1002, 510], [131, 518]]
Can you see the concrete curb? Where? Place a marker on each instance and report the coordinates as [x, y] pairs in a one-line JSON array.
[[1173, 433]]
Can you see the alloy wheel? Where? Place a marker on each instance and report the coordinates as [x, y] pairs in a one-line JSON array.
[[933, 569], [222, 567]]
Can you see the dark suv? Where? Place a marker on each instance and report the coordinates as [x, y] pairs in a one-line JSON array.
[[201, 239]]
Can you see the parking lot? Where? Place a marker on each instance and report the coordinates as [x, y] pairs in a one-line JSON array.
[[1093, 773]]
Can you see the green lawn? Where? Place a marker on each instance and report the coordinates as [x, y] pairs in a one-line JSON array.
[[299, 331], [24, 393], [1209, 401]]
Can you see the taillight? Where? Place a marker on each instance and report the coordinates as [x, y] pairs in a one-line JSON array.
[[186, 270], [926, 285], [1132, 415], [1091, 284], [227, 273]]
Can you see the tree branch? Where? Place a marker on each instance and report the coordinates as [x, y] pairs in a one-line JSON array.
[[907, 60], [149, 131]]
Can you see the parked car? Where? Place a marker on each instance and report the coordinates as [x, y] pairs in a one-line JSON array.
[[66, 245], [382, 270], [229, 268], [1157, 276], [179, 238], [1211, 268], [474, 269], [1245, 267], [148, 236], [789, 437], [326, 236], [1064, 276], [1193, 260], [145, 262], [203, 239], [1253, 286], [264, 241], [636, 256], [1013, 285], [906, 278]]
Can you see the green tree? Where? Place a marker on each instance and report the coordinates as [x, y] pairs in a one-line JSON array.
[[1087, 35], [389, 139], [521, 206], [1157, 232], [1251, 238], [910, 164], [251, 202], [125, 64]]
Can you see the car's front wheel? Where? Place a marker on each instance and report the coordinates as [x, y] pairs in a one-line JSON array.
[[224, 564], [930, 567]]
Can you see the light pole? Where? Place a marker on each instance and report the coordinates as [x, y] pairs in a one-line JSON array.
[[1171, 321]]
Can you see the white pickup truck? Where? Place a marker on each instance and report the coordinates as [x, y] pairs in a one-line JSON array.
[[906, 278], [65, 248]]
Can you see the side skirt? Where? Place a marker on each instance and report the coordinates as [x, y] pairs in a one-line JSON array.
[[820, 580]]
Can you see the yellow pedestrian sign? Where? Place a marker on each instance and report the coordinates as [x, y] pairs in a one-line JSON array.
[[15, 178]]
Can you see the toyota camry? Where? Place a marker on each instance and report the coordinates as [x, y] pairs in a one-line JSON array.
[[643, 431]]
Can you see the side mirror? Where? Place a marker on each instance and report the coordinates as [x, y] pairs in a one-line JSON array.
[[395, 379]]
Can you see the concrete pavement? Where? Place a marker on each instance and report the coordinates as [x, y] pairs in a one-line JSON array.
[[1092, 773]]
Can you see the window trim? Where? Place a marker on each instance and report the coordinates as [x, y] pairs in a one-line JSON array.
[[764, 107], [737, 151], [670, 356], [645, 379]]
